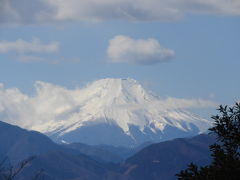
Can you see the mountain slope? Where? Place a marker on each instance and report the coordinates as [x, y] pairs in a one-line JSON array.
[[95, 152], [58, 162], [17, 143], [65, 166], [157, 161], [165, 159], [106, 153], [117, 112]]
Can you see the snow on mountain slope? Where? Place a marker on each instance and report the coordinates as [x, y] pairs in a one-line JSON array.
[[108, 111], [123, 107]]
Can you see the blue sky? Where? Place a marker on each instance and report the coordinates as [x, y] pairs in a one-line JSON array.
[[205, 41]]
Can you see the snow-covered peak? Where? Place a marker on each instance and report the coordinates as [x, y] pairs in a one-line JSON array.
[[117, 91], [120, 103]]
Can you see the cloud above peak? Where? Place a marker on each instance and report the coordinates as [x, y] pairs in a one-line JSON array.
[[42, 11], [137, 51]]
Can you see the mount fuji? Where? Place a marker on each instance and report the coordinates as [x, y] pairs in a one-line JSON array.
[[121, 112]]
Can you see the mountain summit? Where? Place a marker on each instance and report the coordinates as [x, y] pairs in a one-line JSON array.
[[120, 112]]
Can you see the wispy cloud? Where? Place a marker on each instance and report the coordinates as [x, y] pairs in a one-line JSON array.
[[42, 11], [26, 59], [30, 51], [137, 51], [34, 46], [172, 102], [49, 60]]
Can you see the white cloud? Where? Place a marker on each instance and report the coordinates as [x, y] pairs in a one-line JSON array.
[[34, 46], [139, 51], [52, 103], [188, 103], [50, 60], [26, 50], [42, 11], [26, 58]]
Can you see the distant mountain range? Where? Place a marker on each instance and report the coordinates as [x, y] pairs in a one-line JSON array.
[[119, 112], [81, 161], [57, 161], [18, 144]]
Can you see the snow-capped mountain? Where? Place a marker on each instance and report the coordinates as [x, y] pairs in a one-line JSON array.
[[120, 112]]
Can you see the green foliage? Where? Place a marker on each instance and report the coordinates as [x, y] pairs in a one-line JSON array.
[[225, 153]]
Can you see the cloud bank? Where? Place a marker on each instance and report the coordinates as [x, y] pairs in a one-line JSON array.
[[45, 11], [55, 103], [140, 51]]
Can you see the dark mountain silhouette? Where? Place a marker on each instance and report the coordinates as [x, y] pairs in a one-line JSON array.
[[58, 162], [66, 166], [80, 161], [98, 153], [165, 159], [106, 153], [18, 144]]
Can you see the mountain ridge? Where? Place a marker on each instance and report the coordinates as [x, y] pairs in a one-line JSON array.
[[160, 160]]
